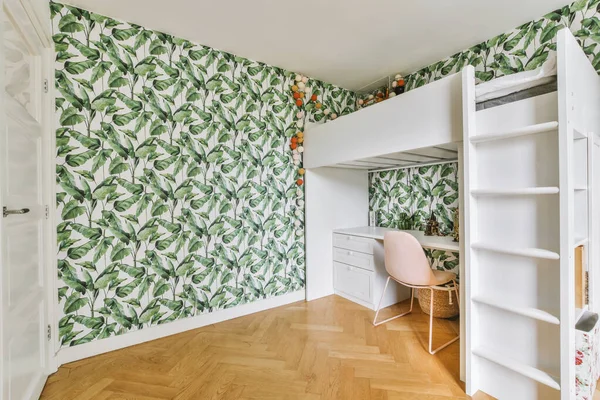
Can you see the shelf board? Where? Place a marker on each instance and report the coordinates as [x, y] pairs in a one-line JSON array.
[[518, 367], [527, 191], [524, 311], [523, 252], [580, 242], [528, 130], [578, 135]]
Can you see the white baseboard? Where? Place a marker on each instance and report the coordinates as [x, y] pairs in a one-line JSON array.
[[70, 354]]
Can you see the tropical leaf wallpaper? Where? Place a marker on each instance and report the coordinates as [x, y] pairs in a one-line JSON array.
[[405, 198], [524, 48], [175, 183]]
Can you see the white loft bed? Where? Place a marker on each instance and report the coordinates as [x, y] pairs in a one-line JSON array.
[[527, 167], [422, 126]]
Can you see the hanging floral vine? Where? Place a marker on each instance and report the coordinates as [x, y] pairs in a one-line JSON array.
[[307, 101]]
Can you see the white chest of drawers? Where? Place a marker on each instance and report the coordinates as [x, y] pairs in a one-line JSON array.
[[359, 272]]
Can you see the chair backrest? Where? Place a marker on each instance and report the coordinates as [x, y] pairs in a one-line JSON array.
[[405, 259]]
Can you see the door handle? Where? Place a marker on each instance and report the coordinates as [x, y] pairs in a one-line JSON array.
[[6, 212]]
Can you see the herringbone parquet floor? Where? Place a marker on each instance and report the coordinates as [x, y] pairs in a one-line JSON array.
[[324, 349]]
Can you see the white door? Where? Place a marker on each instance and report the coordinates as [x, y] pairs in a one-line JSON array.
[[24, 310]]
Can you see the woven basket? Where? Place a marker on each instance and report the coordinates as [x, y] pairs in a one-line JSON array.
[[441, 301]]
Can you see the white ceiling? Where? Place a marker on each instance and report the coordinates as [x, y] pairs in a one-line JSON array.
[[350, 43]]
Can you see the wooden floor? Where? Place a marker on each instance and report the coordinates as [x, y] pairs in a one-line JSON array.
[[323, 349]]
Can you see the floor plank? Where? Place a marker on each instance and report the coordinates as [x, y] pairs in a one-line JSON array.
[[324, 349]]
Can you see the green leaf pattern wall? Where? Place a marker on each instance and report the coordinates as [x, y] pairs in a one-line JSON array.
[[405, 198], [524, 48], [175, 184]]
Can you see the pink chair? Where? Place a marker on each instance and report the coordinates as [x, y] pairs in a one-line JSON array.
[[407, 264]]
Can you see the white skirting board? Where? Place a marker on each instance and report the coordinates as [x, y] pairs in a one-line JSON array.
[[70, 354]]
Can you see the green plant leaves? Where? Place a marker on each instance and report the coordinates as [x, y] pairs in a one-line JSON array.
[[171, 165], [527, 47]]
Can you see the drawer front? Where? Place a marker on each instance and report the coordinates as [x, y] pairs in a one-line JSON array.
[[353, 281], [355, 243], [361, 260]]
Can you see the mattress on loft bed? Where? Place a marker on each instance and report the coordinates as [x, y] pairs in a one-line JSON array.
[[515, 87]]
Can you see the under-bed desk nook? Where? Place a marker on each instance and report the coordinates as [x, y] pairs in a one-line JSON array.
[[517, 157]]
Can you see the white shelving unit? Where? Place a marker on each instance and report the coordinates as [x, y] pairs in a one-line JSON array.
[[525, 188]]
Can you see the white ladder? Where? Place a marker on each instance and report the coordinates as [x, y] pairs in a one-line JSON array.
[[526, 200]]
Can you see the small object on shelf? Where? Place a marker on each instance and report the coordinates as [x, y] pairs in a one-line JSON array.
[[372, 221], [456, 230], [432, 228], [400, 84]]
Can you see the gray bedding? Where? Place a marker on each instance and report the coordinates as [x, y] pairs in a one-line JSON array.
[[523, 94]]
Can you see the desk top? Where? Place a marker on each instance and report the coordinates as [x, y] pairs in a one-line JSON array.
[[375, 232]]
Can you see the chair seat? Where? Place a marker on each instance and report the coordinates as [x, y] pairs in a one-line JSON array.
[[442, 277]]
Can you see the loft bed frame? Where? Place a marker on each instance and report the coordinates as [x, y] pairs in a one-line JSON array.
[[530, 200], [528, 165]]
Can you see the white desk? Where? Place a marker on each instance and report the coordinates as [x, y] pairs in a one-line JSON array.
[[375, 232], [359, 267]]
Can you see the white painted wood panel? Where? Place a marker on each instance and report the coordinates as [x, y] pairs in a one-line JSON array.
[[335, 198], [428, 116], [354, 258], [353, 242], [353, 281]]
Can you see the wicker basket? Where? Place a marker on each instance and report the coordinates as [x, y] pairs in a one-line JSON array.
[[441, 301]]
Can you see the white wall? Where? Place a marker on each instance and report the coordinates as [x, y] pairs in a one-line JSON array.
[[335, 198]]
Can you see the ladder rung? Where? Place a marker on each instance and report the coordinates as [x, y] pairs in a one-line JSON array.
[[528, 130], [525, 252], [524, 311], [516, 191], [518, 367]]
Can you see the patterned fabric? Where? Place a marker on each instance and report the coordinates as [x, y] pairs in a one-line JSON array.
[[405, 198], [587, 362], [175, 182]]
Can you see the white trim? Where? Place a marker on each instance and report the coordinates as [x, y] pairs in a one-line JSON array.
[[70, 354], [416, 164], [48, 115]]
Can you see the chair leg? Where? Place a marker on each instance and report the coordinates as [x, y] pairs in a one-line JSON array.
[[431, 330], [375, 323], [456, 292]]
